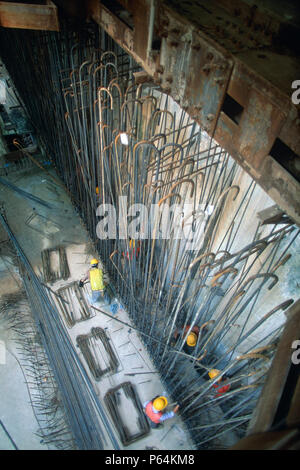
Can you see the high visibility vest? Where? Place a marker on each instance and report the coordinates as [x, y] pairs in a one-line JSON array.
[[96, 279], [155, 417]]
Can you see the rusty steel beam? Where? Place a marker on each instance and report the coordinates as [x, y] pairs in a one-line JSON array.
[[188, 57], [29, 16]]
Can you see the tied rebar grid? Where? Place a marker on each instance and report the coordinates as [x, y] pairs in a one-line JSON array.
[[87, 99]]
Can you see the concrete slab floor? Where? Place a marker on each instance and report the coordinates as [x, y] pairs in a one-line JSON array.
[[65, 228]]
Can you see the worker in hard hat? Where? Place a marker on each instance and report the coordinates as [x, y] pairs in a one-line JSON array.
[[191, 339], [95, 276], [222, 386], [153, 410]]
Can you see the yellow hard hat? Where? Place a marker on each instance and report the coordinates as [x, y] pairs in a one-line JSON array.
[[94, 261], [213, 373], [192, 339], [160, 403]]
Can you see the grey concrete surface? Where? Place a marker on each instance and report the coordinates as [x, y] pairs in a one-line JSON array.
[[71, 233]]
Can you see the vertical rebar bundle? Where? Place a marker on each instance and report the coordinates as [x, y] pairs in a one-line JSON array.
[[83, 411], [127, 146]]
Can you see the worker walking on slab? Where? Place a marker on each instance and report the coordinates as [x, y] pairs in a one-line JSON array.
[[153, 410], [95, 276]]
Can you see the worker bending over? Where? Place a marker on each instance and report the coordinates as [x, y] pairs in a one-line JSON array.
[[153, 409], [220, 389], [95, 276]]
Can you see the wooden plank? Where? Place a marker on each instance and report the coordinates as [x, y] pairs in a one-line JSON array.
[[27, 16]]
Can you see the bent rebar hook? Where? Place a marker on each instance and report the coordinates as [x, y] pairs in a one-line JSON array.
[[167, 197], [154, 116], [186, 180], [265, 275], [222, 273]]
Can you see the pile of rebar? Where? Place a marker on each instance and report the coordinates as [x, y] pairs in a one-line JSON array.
[[98, 353], [112, 400], [63, 269]]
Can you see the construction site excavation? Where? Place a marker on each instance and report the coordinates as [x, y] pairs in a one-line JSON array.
[[149, 269]]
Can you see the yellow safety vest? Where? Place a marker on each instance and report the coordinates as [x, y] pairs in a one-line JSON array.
[[96, 279]]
